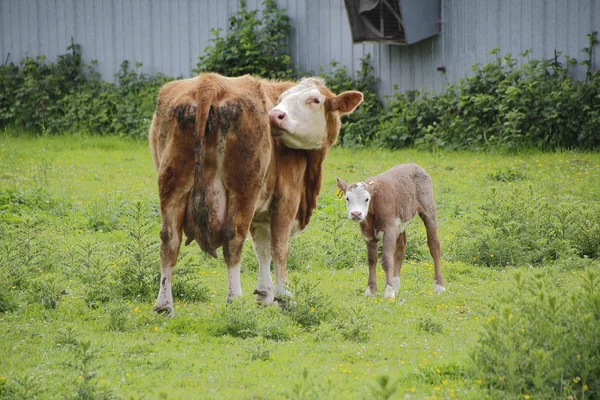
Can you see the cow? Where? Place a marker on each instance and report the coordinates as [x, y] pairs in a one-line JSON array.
[[239, 155], [384, 205]]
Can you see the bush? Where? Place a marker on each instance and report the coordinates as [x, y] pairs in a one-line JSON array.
[[503, 105], [542, 341], [308, 307], [518, 227], [69, 95], [251, 46], [361, 127]]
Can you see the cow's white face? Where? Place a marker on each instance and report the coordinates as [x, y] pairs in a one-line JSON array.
[[357, 201], [299, 117]]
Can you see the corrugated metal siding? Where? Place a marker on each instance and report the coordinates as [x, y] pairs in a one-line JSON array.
[[168, 35]]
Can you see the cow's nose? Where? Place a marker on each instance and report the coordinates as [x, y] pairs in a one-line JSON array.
[[277, 117], [356, 214]]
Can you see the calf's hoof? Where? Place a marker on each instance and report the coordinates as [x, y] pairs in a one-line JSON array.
[[370, 292], [389, 292], [165, 309], [438, 288]]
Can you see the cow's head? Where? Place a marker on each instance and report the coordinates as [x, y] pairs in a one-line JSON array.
[[308, 114], [358, 198]]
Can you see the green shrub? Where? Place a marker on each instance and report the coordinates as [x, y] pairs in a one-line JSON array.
[[503, 105], [361, 127], [355, 325], [516, 226], [238, 319], [117, 315], [252, 45], [541, 340], [308, 307]]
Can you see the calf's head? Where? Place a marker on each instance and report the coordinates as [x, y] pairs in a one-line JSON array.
[[358, 198], [308, 114]]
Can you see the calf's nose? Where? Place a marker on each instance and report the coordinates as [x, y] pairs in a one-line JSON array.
[[277, 117], [356, 214]]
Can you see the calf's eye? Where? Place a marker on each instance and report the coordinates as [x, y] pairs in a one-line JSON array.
[[316, 101], [367, 200], [347, 199]]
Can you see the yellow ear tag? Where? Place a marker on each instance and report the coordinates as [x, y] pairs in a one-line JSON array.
[[370, 183], [339, 193]]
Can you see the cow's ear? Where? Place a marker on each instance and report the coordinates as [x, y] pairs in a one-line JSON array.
[[347, 102], [341, 184]]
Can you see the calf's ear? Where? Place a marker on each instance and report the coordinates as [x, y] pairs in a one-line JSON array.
[[341, 184], [347, 102]]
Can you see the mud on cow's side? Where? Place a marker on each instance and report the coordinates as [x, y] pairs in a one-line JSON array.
[[240, 154]]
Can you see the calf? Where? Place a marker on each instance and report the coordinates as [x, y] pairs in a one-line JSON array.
[[384, 205]]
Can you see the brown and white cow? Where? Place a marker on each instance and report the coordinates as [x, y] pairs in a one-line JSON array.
[[230, 161], [384, 205]]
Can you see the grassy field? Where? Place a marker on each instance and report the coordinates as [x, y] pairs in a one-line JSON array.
[[79, 273]]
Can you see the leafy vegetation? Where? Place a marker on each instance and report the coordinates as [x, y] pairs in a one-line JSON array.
[[77, 292], [252, 45], [504, 104]]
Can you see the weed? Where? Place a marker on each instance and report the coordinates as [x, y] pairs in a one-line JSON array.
[[383, 388], [238, 319], [140, 272], [117, 315], [539, 342], [260, 349], [308, 307], [427, 324], [355, 325]]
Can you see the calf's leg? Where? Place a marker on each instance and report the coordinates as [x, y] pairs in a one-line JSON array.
[[372, 259], [433, 243], [398, 259], [390, 236]]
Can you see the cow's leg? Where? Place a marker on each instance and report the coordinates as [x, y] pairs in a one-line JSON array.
[[433, 243], [398, 259], [372, 259], [172, 213], [390, 236], [261, 242], [280, 235], [240, 213]]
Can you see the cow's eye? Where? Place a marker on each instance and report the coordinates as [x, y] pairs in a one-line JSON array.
[[316, 101], [347, 199], [367, 200]]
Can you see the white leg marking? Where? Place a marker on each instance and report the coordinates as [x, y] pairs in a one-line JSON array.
[[396, 284], [389, 292], [281, 290], [368, 292], [261, 242], [233, 278], [164, 302], [438, 288]]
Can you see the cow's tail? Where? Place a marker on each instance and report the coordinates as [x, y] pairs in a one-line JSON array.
[[210, 89]]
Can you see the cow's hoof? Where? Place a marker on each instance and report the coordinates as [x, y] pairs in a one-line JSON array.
[[165, 309], [370, 292], [283, 302], [438, 288], [389, 292], [264, 297]]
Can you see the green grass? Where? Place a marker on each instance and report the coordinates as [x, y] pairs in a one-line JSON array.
[[79, 279]]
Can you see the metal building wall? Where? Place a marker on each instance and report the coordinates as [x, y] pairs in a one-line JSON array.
[[167, 35]]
